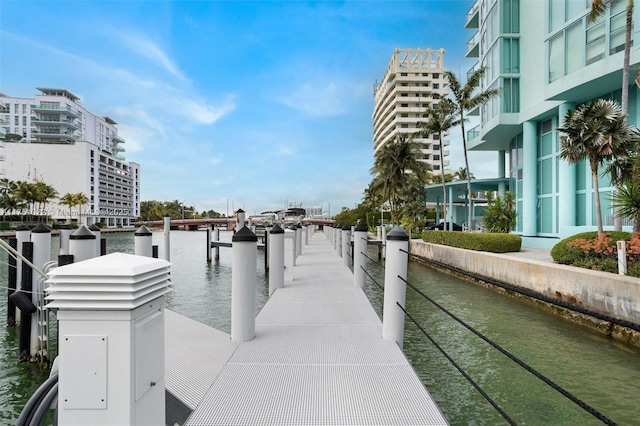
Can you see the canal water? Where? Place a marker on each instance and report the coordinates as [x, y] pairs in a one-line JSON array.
[[603, 374]]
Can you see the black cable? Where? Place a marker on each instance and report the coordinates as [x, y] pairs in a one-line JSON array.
[[466, 376], [372, 279], [375, 262], [515, 359]]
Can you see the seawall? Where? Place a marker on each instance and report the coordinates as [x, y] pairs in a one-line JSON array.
[[609, 294]]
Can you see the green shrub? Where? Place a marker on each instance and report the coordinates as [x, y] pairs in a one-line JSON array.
[[479, 241], [562, 253]]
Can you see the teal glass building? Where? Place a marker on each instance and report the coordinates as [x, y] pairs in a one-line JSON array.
[[547, 57]]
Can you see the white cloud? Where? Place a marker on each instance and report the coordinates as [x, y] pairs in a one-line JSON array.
[[316, 100], [215, 160], [146, 48], [203, 113]]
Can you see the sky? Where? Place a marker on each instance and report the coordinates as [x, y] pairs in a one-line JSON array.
[[234, 104]]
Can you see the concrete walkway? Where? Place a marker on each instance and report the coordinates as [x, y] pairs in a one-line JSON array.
[[318, 359]]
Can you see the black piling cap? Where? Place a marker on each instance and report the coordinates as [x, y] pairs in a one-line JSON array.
[[299, 226], [94, 227], [244, 235], [143, 231], [361, 227], [239, 211], [346, 228], [41, 229], [22, 228], [397, 234], [276, 229], [293, 227], [82, 233]]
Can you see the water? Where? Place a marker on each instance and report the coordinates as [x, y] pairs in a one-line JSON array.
[[602, 373]]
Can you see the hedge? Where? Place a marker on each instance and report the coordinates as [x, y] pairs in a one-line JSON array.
[[561, 253], [479, 241]]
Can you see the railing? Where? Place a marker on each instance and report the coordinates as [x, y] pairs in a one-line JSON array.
[[401, 305]]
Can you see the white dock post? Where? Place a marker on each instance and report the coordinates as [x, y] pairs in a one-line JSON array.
[[289, 253], [345, 244], [209, 232], [143, 242], [384, 243], [244, 246], [82, 244], [394, 288], [298, 240], [276, 258], [65, 231], [306, 234], [41, 239], [98, 233], [167, 237], [111, 354], [338, 245], [239, 219], [359, 261]]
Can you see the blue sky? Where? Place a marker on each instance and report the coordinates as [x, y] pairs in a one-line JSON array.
[[248, 104]]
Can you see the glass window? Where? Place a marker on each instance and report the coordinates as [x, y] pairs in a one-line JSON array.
[[546, 145], [546, 175], [556, 14], [511, 16], [556, 58], [575, 7], [595, 42], [617, 32], [574, 43], [581, 209], [546, 215], [510, 55]]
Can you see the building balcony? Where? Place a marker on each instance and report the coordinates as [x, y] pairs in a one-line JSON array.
[[473, 133], [117, 139], [53, 136], [473, 46], [56, 108], [473, 16], [38, 121]]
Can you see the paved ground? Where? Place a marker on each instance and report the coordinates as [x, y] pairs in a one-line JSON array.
[[539, 254]]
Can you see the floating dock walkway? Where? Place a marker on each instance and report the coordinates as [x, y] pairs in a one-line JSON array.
[[318, 358]]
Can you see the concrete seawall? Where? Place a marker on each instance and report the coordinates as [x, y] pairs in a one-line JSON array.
[[609, 294]]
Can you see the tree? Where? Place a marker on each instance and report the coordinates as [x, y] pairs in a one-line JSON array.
[[440, 118], [627, 200], [69, 200], [466, 99], [500, 215], [597, 132], [393, 163], [462, 174], [598, 9]]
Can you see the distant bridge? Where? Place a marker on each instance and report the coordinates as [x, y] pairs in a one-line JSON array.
[[228, 223]]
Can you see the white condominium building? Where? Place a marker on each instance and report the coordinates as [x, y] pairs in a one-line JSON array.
[[413, 82], [54, 139]]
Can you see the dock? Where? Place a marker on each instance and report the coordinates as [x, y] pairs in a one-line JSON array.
[[318, 358]]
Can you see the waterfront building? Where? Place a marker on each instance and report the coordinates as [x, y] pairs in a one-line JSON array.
[[547, 58], [413, 81], [56, 140]]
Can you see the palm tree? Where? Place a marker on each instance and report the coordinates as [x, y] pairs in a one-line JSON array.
[[598, 9], [69, 200], [466, 99], [81, 200], [440, 119], [597, 132], [44, 193], [393, 163], [627, 200], [462, 174]]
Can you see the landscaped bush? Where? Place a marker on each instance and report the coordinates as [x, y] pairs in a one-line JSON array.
[[480, 241], [588, 250]]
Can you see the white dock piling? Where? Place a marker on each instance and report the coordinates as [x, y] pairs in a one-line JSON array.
[[41, 238], [359, 259], [276, 258], [394, 288], [98, 233], [289, 253], [344, 236], [143, 242], [243, 285], [65, 231], [239, 219], [167, 238], [82, 244]]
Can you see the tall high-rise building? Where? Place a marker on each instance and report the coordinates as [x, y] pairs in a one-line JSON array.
[[547, 58], [413, 81], [52, 138]]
